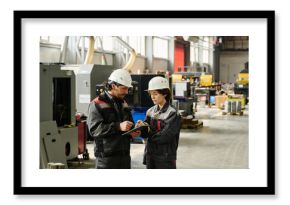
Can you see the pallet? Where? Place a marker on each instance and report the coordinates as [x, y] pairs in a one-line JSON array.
[[52, 165], [233, 113], [193, 125], [196, 126]]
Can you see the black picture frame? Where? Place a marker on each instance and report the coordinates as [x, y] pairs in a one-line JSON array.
[[19, 189]]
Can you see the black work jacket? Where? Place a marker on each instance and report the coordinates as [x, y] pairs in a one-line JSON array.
[[104, 118], [163, 137]]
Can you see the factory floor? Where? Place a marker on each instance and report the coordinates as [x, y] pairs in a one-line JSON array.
[[222, 143]]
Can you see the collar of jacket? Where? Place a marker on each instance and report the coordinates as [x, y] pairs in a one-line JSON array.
[[113, 98], [104, 97], [109, 98], [163, 109]]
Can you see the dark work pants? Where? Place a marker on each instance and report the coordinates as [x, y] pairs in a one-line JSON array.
[[114, 162], [155, 163]]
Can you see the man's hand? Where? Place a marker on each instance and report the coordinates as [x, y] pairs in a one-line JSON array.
[[136, 134], [126, 126]]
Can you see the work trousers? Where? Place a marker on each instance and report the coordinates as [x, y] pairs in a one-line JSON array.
[[156, 163], [114, 162]]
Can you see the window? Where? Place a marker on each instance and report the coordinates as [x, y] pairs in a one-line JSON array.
[[205, 55], [193, 52], [205, 49], [52, 39], [44, 39], [138, 43], [160, 47], [107, 42], [56, 39], [202, 51]]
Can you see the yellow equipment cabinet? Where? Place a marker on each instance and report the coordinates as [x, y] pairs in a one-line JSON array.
[[243, 79], [176, 78], [242, 84], [205, 80]]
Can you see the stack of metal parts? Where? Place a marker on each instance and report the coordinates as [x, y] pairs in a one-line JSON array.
[[233, 107]]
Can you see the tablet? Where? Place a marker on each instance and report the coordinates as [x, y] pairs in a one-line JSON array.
[[135, 129]]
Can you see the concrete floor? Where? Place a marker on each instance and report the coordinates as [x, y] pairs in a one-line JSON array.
[[222, 143]]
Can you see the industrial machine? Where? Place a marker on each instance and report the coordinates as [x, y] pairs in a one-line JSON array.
[[59, 134], [57, 94], [192, 77], [190, 88], [184, 95], [205, 80], [185, 102], [132, 98], [200, 86], [52, 145], [88, 76], [203, 94], [242, 82], [90, 80], [141, 98], [243, 79], [183, 86]]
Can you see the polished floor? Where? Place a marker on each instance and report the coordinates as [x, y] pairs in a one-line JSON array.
[[222, 143]]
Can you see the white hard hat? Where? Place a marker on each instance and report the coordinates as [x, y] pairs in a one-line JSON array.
[[158, 83], [122, 77]]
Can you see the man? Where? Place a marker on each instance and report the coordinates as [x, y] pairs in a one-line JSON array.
[[109, 117]]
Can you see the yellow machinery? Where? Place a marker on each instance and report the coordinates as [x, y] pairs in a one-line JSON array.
[[243, 79], [176, 78], [242, 82], [205, 80]]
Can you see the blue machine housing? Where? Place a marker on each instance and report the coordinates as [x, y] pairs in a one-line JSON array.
[[139, 114]]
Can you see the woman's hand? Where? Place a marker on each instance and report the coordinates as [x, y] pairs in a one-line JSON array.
[[140, 123]]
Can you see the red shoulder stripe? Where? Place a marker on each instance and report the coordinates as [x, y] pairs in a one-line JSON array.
[[98, 101]]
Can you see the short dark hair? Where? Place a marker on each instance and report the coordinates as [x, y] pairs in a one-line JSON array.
[[110, 83], [166, 92]]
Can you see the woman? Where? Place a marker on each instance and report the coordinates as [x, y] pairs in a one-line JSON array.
[[164, 125]]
